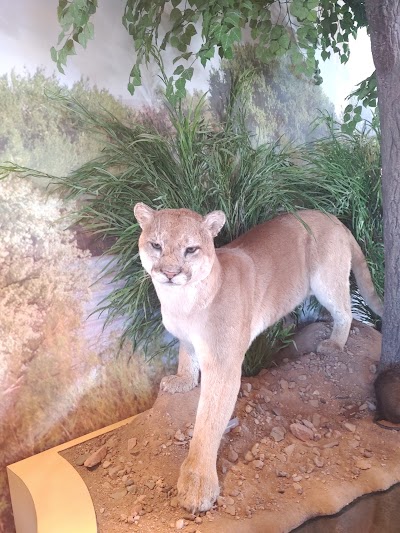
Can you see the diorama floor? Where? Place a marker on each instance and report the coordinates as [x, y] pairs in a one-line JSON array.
[[305, 445]]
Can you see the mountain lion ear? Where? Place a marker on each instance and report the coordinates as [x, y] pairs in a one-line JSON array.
[[143, 213], [214, 222]]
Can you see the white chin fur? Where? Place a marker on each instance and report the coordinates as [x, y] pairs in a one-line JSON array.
[[180, 279]]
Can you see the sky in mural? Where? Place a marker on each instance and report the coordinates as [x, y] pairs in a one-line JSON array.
[[28, 30]]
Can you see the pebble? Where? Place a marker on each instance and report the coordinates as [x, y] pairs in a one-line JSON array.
[[258, 464], [362, 464], [302, 377], [231, 509], [174, 502], [180, 524], [319, 461], [289, 449], [119, 494], [314, 403], [150, 484], [284, 384], [247, 387], [282, 473], [301, 432], [131, 444], [350, 427], [249, 457], [232, 456], [198, 520], [106, 464], [81, 459], [248, 408], [277, 433], [372, 369], [331, 444], [96, 457], [179, 436], [367, 454]]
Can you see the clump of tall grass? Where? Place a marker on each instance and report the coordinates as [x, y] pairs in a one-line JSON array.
[[204, 168], [350, 165]]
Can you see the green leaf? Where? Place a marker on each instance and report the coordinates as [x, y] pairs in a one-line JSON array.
[[188, 73], [235, 34], [175, 2], [175, 15], [53, 53], [348, 109], [179, 70]]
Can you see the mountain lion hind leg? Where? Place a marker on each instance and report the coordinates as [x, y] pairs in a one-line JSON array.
[[333, 292]]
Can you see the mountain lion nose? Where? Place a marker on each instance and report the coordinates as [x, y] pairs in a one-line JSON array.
[[170, 274]]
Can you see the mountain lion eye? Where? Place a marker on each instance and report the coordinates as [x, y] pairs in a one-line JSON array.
[[191, 250], [156, 246]]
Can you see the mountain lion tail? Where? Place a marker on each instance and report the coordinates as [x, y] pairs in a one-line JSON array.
[[363, 277]]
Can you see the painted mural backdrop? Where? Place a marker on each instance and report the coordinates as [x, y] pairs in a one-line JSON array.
[[61, 374]]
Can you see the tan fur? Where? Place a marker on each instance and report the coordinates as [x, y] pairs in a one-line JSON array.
[[217, 301]]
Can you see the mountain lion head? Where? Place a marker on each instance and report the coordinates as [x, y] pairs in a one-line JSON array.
[[176, 246]]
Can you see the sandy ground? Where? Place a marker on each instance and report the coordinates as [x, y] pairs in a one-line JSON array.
[[306, 445]]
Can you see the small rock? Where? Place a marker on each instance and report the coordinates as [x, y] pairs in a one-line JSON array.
[[179, 436], [258, 464], [102, 509], [232, 455], [367, 454], [297, 478], [301, 432], [231, 509], [363, 407], [302, 377], [180, 524], [119, 494], [289, 449], [362, 464], [319, 461], [190, 517], [106, 464], [372, 369], [331, 444], [350, 427], [298, 488], [131, 444], [198, 520], [150, 484], [96, 457], [174, 502], [314, 403], [81, 459], [282, 473], [284, 384], [247, 387], [277, 433], [255, 449], [248, 408], [249, 457]]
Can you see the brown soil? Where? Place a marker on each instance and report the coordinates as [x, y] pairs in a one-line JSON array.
[[270, 479]]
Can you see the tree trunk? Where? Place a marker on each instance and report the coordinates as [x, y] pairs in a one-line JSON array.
[[384, 25]]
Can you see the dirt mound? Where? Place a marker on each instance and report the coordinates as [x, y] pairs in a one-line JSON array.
[[305, 445]]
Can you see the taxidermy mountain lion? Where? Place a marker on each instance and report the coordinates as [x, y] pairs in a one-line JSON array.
[[216, 301]]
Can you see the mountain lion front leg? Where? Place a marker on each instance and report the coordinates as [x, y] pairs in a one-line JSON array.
[[187, 377], [198, 485]]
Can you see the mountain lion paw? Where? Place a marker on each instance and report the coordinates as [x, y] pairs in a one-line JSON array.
[[328, 346], [173, 384], [197, 491]]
